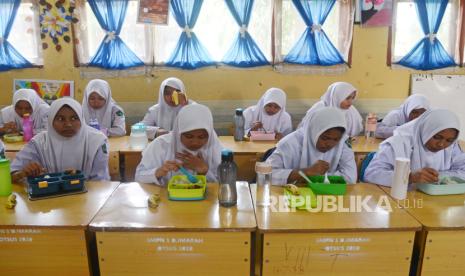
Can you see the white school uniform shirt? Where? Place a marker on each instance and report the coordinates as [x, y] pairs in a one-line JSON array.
[[409, 142], [110, 116], [399, 116], [336, 93], [298, 150], [39, 111], [162, 115], [279, 122], [165, 147], [86, 151]]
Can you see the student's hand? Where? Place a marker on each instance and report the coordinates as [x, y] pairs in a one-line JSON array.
[[182, 99], [167, 167], [256, 126], [426, 175], [34, 169], [319, 168], [161, 132], [279, 136], [18, 177], [195, 163]]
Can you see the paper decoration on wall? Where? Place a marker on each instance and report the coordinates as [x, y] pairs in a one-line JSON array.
[[49, 90], [376, 13], [55, 21], [153, 12]]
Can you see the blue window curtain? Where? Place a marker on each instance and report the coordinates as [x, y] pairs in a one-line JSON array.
[[428, 53], [244, 52], [314, 47], [189, 52], [113, 53], [10, 58]]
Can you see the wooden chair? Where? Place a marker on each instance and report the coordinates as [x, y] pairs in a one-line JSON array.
[[113, 166]]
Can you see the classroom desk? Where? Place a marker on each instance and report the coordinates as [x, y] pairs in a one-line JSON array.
[[48, 236], [440, 244], [361, 148], [246, 153], [178, 237], [337, 243]]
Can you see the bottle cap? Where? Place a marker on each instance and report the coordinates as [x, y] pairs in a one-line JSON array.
[[263, 167], [239, 111], [226, 155]]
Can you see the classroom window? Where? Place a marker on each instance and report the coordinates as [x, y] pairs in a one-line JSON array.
[[290, 26], [407, 30], [154, 44], [25, 33]]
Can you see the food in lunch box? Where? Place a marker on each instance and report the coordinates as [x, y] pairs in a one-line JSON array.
[[292, 188], [153, 200], [11, 201], [71, 171]]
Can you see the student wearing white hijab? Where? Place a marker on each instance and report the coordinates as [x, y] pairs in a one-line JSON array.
[[430, 142], [160, 117], [98, 104], [316, 148], [340, 95], [412, 108], [193, 144], [269, 114], [24, 101], [67, 144]]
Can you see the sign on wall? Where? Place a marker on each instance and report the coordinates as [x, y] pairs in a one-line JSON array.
[[49, 90]]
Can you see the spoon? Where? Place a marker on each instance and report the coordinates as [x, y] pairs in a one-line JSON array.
[[190, 177]]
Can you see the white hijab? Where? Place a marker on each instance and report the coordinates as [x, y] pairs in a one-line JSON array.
[[167, 114], [191, 117], [318, 122], [29, 95], [273, 123], [60, 153], [334, 95], [415, 101], [103, 115], [409, 140]]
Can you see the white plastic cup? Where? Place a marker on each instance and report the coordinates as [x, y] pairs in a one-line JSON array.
[[399, 185]]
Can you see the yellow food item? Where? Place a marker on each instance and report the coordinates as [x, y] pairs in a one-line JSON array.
[[154, 200], [43, 184], [11, 202], [292, 188], [175, 97], [74, 181]]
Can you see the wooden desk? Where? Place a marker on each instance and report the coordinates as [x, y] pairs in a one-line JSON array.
[[178, 237], [128, 158], [246, 153], [337, 243], [49, 237], [440, 244], [361, 148]]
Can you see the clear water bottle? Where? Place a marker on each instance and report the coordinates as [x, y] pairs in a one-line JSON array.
[[27, 128], [227, 174], [263, 171], [239, 122], [370, 127], [94, 123], [138, 139]]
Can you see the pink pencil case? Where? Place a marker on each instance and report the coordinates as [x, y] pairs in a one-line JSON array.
[[262, 136]]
